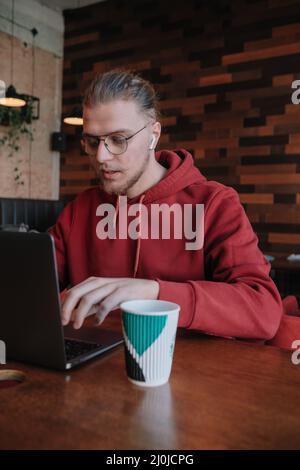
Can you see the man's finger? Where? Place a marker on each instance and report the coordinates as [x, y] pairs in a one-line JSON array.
[[111, 302], [74, 295], [89, 300], [92, 311]]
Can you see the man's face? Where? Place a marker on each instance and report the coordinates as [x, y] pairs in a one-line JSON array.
[[119, 173]]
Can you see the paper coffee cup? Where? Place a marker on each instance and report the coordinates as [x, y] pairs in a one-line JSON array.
[[149, 329]]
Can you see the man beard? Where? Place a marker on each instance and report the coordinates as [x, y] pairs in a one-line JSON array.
[[122, 190]]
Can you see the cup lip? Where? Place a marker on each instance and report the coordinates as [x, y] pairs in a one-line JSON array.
[[166, 307]]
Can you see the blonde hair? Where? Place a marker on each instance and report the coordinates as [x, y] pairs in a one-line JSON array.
[[126, 85]]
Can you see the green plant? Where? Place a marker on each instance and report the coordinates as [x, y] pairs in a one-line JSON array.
[[19, 121]]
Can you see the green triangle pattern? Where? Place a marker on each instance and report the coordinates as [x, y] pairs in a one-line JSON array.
[[143, 330]]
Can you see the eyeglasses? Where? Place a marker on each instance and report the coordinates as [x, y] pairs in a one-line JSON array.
[[116, 144]]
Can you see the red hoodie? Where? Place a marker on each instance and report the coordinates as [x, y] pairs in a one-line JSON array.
[[223, 289]]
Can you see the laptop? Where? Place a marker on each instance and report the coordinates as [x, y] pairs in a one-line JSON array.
[[30, 320]]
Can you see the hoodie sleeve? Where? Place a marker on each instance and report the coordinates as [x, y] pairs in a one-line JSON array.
[[60, 232], [238, 299]]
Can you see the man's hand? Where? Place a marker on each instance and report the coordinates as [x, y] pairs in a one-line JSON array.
[[100, 295]]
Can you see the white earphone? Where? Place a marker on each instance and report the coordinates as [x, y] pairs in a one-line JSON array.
[[152, 143]]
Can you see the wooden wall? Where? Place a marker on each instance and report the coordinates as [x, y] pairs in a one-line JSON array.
[[223, 70], [37, 163]]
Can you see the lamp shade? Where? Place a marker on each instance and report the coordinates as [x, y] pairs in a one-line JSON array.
[[74, 118], [12, 98]]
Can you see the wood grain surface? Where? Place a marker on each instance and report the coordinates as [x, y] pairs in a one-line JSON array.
[[222, 394]]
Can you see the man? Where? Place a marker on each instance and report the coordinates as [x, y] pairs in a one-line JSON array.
[[222, 287]]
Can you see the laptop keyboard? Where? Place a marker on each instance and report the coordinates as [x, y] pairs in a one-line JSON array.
[[75, 348]]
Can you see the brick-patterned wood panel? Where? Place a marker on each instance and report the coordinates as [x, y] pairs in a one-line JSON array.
[[223, 71]]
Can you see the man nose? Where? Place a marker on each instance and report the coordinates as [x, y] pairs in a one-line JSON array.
[[103, 154]]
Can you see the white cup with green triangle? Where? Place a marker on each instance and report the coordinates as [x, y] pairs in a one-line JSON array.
[[149, 329]]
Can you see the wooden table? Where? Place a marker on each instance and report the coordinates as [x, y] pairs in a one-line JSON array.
[[222, 394]]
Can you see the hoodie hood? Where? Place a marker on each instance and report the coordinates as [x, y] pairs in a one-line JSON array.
[[181, 173]]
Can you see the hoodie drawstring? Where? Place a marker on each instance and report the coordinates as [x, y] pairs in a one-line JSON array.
[[138, 248], [116, 212]]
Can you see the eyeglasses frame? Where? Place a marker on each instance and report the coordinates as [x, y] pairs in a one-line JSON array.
[[103, 139]]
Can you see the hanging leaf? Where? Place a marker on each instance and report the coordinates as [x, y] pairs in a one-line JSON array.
[[19, 122]]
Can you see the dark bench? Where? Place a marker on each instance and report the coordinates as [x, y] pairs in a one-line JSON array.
[[38, 214], [286, 275]]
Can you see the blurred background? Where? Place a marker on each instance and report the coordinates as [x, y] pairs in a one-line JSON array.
[[224, 72]]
